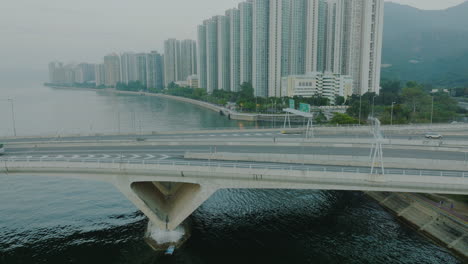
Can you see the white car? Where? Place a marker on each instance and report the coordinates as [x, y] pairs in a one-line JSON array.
[[432, 135]]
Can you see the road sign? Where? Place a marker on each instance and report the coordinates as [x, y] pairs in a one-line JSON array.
[[304, 108], [292, 104]]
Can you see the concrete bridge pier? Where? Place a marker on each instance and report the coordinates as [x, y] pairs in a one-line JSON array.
[[167, 205]]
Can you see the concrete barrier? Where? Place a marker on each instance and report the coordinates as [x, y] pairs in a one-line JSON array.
[[352, 161]]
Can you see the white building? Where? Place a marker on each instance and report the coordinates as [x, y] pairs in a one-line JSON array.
[[193, 81], [326, 84]]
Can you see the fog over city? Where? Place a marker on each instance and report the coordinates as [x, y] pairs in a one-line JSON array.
[[36, 32]]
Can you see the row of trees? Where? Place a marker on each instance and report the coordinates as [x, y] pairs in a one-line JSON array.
[[245, 99], [397, 103], [411, 103]]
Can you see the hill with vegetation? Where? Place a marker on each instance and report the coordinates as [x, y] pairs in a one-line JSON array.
[[426, 46]]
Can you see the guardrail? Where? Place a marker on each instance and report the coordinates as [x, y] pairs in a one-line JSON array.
[[244, 165], [139, 132]]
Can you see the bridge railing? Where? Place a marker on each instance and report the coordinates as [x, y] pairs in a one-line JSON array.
[[239, 165]]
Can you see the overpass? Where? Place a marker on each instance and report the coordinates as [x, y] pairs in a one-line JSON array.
[[169, 176]]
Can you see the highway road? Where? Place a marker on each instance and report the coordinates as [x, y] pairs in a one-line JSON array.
[[168, 152], [239, 135], [175, 157]]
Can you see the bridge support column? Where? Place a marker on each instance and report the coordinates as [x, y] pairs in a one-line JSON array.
[[166, 204]]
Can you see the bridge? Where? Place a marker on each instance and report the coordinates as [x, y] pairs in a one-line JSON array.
[[169, 175]]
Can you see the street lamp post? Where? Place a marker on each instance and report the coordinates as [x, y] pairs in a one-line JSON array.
[[432, 110], [360, 108], [13, 116], [391, 114], [373, 105]]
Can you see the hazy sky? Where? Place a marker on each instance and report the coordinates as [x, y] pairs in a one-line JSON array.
[[34, 32]]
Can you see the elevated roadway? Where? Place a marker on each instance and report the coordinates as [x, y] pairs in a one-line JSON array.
[[167, 176]]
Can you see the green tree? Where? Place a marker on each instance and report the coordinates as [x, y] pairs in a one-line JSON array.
[[343, 119]]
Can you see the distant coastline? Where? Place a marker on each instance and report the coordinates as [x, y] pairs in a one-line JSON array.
[[230, 114]]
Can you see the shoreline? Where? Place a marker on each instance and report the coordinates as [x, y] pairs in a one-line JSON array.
[[439, 225], [230, 114]]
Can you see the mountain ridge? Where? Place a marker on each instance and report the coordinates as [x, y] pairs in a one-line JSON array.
[[426, 45]]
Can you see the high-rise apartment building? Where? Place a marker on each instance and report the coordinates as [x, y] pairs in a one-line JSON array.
[[112, 69], [100, 73], [194, 58], [212, 54], [179, 60], [271, 39], [171, 48], [56, 72], [334, 35], [187, 59], [245, 12], [234, 23], [154, 70], [322, 35], [279, 45], [224, 53], [202, 67], [128, 67], [361, 46], [312, 35], [260, 46], [141, 74]]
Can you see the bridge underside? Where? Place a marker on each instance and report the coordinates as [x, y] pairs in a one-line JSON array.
[[168, 194], [166, 204]]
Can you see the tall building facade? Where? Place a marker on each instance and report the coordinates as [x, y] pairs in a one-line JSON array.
[[234, 24], [260, 46], [312, 35], [202, 70], [180, 60], [212, 55], [361, 47], [141, 74], [272, 39], [194, 58], [245, 17], [100, 73], [224, 53], [187, 59], [279, 44], [154, 70], [171, 57], [128, 67], [112, 69]]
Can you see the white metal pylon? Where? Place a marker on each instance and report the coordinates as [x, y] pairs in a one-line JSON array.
[[310, 128], [287, 120], [376, 151]]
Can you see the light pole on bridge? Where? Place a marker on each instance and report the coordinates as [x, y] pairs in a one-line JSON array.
[[13, 116], [432, 110]]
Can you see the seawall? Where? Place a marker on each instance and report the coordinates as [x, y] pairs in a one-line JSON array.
[[442, 225]]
